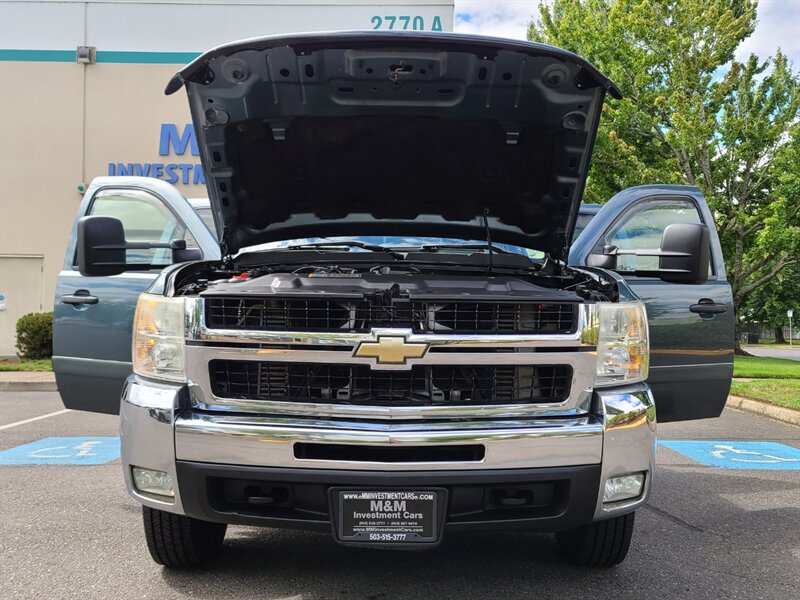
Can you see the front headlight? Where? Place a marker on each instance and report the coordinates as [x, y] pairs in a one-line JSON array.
[[623, 350], [158, 339]]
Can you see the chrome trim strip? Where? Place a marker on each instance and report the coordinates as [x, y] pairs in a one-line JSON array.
[[196, 329], [583, 372], [260, 441]]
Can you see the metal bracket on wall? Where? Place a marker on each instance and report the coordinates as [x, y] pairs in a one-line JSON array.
[[86, 55]]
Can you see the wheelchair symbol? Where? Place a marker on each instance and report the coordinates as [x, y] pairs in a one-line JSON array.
[[82, 450], [762, 458]]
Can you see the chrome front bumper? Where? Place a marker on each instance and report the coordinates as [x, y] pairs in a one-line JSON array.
[[261, 441], [159, 429]]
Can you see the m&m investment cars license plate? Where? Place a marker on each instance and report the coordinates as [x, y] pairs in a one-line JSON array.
[[388, 516]]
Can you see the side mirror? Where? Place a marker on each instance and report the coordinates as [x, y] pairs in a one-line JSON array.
[[685, 253], [682, 258], [181, 255], [101, 248], [603, 261]]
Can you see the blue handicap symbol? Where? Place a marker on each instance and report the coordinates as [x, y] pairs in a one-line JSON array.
[[738, 455], [63, 451]]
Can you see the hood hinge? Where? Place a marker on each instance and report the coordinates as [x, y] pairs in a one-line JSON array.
[[227, 257]]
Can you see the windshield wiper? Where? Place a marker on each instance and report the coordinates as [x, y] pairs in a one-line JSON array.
[[338, 245], [492, 248]]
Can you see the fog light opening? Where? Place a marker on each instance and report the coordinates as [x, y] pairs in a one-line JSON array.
[[624, 487], [153, 482]]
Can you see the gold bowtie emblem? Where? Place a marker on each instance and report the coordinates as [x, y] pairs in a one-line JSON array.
[[391, 350]]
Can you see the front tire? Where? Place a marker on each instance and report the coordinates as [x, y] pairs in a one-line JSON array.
[[600, 544], [176, 541]]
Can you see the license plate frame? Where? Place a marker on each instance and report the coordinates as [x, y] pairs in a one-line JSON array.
[[388, 530]]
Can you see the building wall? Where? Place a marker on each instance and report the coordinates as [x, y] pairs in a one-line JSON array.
[[64, 123]]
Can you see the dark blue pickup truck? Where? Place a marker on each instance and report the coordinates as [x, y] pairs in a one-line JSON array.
[[382, 323]]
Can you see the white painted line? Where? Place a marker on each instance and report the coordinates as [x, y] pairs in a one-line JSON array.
[[39, 418]]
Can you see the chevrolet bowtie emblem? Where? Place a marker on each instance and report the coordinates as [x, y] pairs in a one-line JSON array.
[[391, 350]]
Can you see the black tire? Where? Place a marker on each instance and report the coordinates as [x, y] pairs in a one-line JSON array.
[[177, 541], [600, 544]]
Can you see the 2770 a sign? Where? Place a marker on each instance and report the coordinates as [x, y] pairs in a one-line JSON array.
[[406, 22]]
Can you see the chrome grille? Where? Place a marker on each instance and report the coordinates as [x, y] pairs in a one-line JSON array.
[[306, 314], [449, 385], [494, 317], [276, 314]]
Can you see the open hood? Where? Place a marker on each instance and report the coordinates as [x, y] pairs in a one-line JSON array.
[[386, 133]]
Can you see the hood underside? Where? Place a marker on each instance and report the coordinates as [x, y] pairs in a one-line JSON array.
[[358, 134]]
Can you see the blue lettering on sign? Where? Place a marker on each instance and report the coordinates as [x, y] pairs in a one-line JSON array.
[[178, 142], [171, 141], [405, 22], [63, 451], [738, 455], [185, 170]]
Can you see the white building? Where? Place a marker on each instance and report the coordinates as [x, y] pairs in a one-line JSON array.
[[81, 95]]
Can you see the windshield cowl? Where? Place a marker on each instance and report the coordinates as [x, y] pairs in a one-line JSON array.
[[395, 244]]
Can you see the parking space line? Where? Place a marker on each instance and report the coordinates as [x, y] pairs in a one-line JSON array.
[[39, 418]]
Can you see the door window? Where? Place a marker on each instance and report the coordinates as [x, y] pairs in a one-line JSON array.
[[145, 218], [643, 228]]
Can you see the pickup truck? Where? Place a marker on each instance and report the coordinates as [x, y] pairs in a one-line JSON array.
[[387, 332]]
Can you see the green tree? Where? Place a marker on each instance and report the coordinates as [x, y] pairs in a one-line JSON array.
[[769, 303], [693, 114]]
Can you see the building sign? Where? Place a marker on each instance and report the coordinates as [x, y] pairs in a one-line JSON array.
[[179, 143], [406, 22]]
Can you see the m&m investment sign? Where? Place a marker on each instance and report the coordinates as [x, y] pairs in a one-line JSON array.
[[174, 141]]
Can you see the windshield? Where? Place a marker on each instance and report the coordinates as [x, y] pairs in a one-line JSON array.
[[399, 242], [396, 242]]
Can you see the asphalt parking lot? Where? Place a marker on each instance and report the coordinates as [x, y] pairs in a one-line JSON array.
[[792, 353], [708, 532]]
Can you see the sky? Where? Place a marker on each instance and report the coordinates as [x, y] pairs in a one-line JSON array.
[[778, 24]]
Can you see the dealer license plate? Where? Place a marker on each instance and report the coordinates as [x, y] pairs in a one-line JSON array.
[[388, 517]]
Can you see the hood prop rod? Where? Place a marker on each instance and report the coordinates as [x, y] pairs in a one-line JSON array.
[[488, 239]]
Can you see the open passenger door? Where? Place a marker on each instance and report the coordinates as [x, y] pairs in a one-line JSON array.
[[691, 325]]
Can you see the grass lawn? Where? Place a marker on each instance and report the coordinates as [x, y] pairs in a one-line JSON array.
[[13, 364], [781, 392], [758, 367]]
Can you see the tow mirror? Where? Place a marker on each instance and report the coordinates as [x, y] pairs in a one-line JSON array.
[[102, 246], [682, 258], [685, 253]]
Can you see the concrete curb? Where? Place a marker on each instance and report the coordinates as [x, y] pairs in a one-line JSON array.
[[27, 381], [28, 386], [779, 413]]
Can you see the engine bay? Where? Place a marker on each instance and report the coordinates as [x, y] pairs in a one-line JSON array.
[[419, 276]]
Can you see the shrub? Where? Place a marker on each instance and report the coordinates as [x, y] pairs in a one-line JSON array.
[[35, 335]]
